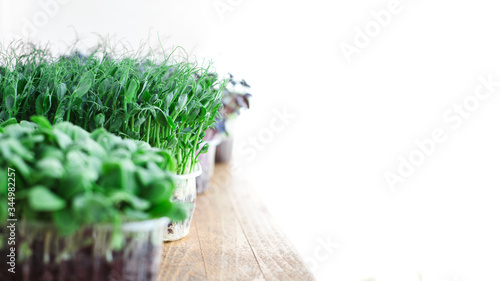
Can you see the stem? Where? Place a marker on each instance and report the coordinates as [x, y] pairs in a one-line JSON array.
[[149, 129], [85, 124], [69, 110], [158, 137], [165, 142], [194, 148], [179, 161]]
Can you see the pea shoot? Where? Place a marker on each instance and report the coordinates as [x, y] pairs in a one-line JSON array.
[[168, 103]]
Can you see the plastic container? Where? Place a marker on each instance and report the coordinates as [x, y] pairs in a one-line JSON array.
[[44, 255], [224, 150], [207, 162], [185, 192]]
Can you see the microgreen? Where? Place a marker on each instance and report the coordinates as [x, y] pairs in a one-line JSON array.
[[165, 102], [73, 178], [235, 97]]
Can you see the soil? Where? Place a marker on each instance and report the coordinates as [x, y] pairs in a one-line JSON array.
[[138, 265]]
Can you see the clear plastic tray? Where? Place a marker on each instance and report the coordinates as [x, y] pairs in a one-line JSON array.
[[185, 192], [207, 162], [42, 254]]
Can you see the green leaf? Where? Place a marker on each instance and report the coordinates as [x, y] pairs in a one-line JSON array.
[[131, 91], [203, 115], [104, 86], [21, 85], [168, 99], [153, 99], [85, 84], [23, 151], [42, 199], [181, 102], [61, 91], [133, 214], [74, 132], [113, 72], [174, 211], [20, 165], [8, 122], [47, 103], [63, 140], [179, 211], [99, 120], [10, 97], [170, 122], [190, 106], [193, 114], [138, 122], [77, 101], [146, 96], [119, 173], [199, 89], [204, 149], [4, 115], [52, 152], [116, 123], [41, 121], [168, 163], [61, 110], [92, 207], [118, 196], [161, 209], [158, 191], [172, 143], [161, 119], [50, 167], [39, 104], [65, 222]]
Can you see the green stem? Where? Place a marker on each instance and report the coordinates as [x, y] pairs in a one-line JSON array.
[[193, 150], [69, 110], [149, 129], [85, 124], [158, 137]]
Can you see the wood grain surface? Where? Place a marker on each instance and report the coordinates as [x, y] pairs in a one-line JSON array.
[[232, 237]]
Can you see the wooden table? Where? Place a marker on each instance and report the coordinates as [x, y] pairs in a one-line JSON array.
[[233, 237]]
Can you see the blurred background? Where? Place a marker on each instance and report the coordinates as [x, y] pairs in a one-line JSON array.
[[348, 98]]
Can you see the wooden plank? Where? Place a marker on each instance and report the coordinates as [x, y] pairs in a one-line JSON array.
[[225, 248], [233, 237], [277, 257], [182, 260]]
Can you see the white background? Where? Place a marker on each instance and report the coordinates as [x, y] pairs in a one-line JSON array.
[[322, 174]]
